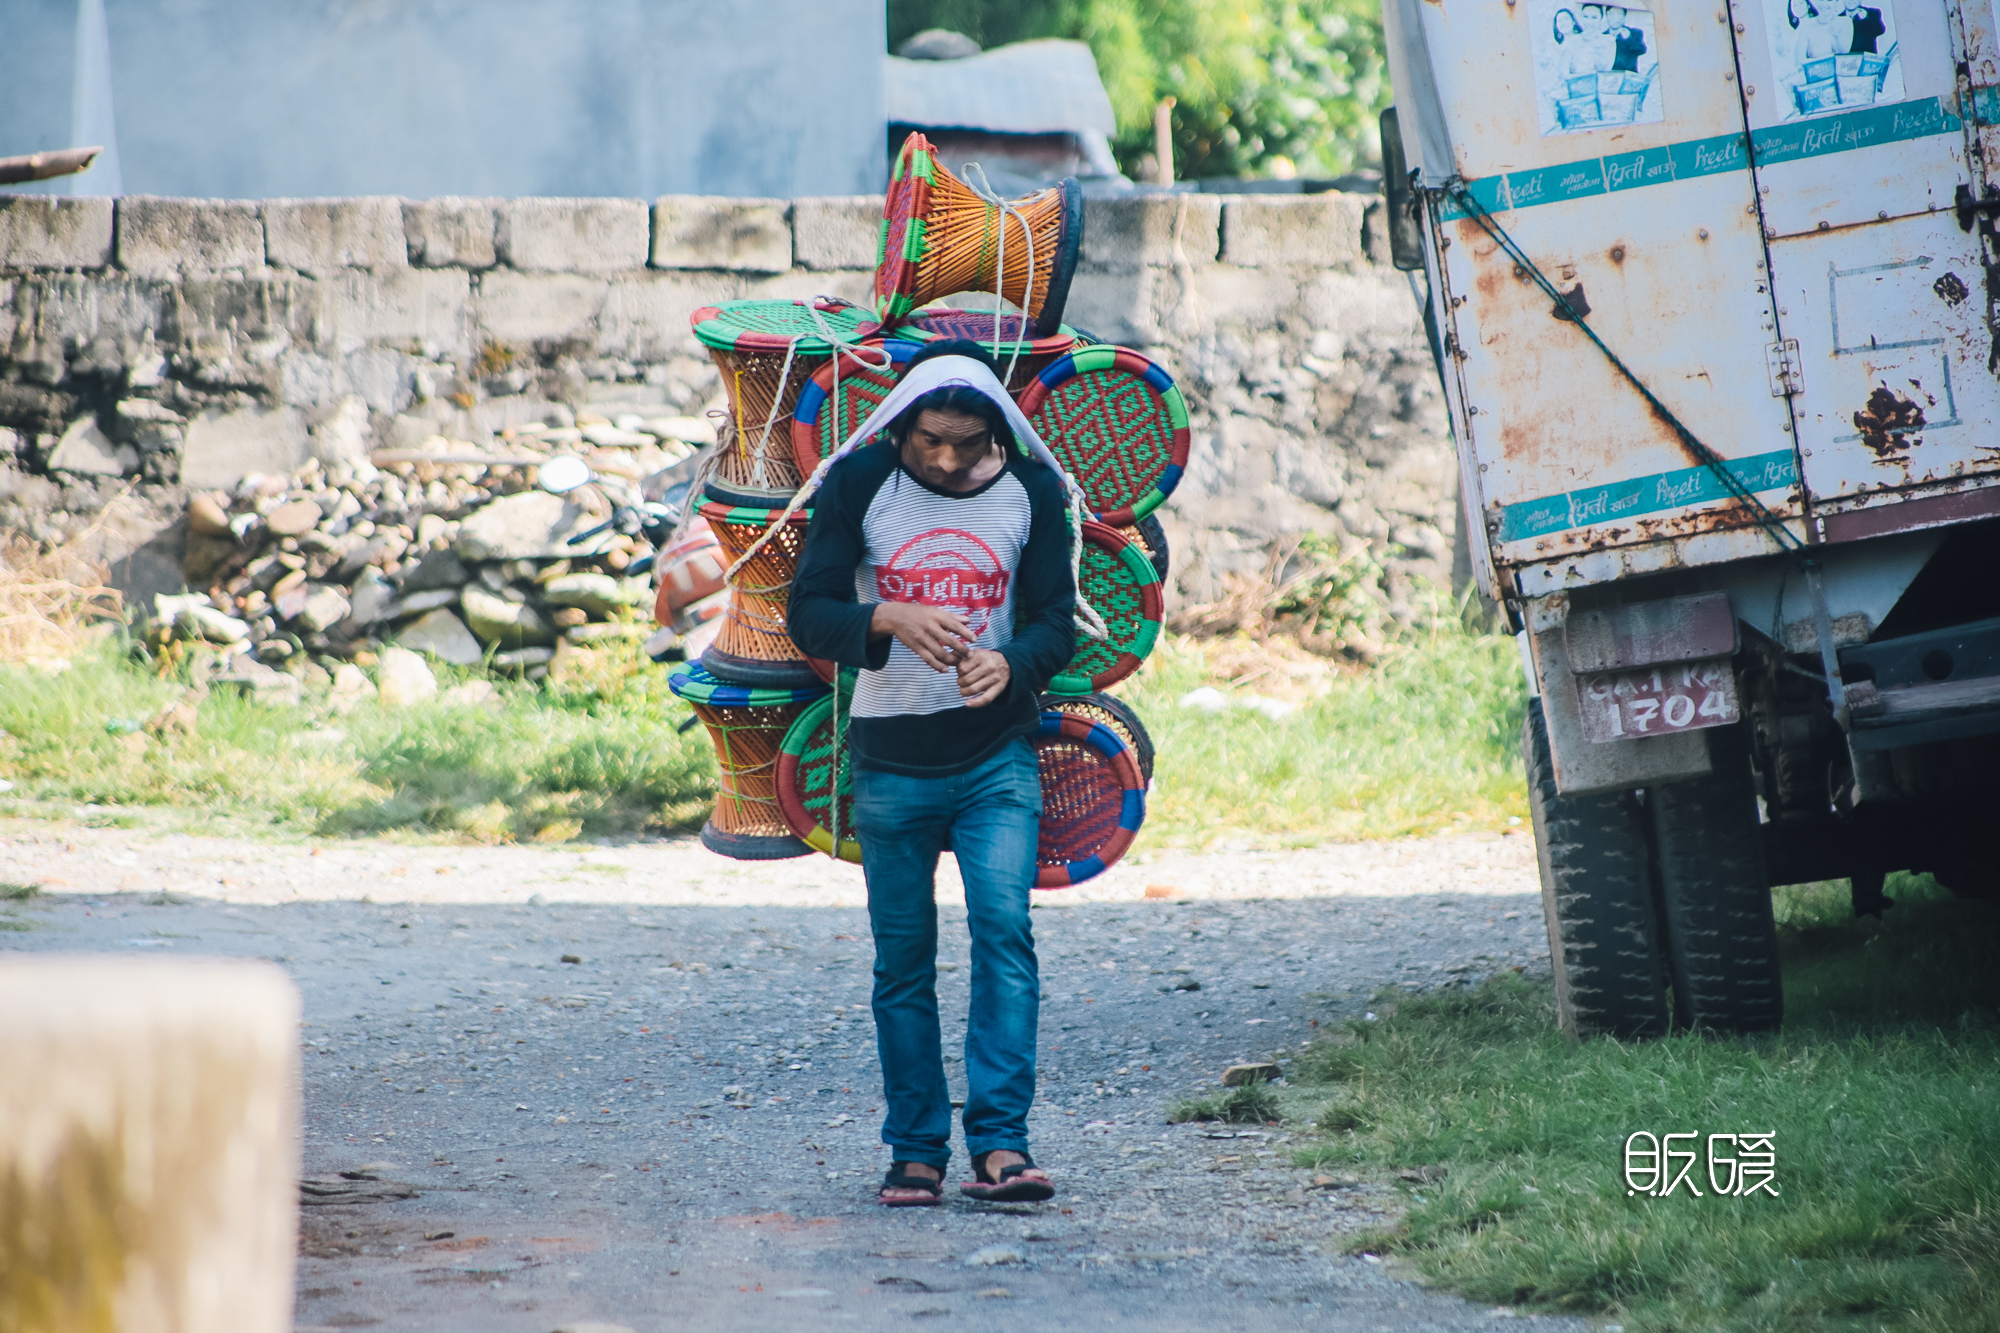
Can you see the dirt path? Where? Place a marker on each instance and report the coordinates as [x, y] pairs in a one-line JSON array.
[[75, 858], [678, 1129]]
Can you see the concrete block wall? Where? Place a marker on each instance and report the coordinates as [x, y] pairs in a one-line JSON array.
[[149, 345]]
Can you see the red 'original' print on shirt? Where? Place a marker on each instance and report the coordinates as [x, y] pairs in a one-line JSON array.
[[949, 568]]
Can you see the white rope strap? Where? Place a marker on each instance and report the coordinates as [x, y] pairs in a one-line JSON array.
[[757, 469], [861, 352], [900, 398], [1093, 623], [984, 189]]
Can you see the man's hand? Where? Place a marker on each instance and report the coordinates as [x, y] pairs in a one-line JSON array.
[[982, 677], [934, 634]]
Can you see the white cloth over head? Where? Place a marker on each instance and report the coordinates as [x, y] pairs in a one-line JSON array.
[[945, 372], [940, 373]]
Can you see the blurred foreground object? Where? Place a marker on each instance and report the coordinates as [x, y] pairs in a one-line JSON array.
[[46, 166], [149, 1130]]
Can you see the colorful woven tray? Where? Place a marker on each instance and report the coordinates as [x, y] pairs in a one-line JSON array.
[[821, 423], [806, 769], [1121, 583], [773, 326], [1113, 712], [1022, 353], [699, 687], [1119, 426], [1093, 799]]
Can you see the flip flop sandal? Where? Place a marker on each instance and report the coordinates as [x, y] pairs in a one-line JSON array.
[[899, 1179], [1011, 1187]]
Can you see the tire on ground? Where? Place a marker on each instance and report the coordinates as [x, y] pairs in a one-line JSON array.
[[1597, 898], [1722, 944]]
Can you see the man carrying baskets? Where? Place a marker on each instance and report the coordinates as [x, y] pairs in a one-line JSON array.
[[939, 563]]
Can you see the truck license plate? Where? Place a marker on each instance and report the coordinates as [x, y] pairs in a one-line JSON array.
[[1652, 701]]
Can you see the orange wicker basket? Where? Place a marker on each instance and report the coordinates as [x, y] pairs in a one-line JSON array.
[[753, 646], [747, 727], [767, 351], [940, 237]]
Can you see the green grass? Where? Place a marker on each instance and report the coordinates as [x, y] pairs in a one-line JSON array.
[[593, 756], [1883, 1090], [1427, 742], [1423, 743], [1252, 1104]]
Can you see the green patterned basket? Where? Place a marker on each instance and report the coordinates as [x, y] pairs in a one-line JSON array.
[[813, 751], [1119, 426], [1121, 583]]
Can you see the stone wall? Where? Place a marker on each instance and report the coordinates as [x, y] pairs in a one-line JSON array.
[[151, 348]]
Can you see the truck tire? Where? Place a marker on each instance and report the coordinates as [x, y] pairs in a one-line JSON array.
[[1597, 898], [1722, 944]]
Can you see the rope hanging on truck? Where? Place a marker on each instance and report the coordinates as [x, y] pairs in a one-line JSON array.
[[1770, 522], [1708, 458]]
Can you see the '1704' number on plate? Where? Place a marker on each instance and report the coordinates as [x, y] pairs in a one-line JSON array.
[[1652, 701]]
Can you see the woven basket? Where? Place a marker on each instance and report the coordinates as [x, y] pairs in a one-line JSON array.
[[1014, 340], [830, 409], [1120, 582], [750, 342], [939, 238], [753, 647], [812, 751], [746, 726], [1093, 799], [1118, 425], [1109, 711]]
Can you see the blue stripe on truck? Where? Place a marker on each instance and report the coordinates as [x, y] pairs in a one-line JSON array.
[[1619, 500], [1819, 137]]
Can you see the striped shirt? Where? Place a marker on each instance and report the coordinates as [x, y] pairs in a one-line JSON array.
[[997, 556]]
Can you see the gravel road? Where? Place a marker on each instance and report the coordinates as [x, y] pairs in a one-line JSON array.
[[636, 1085]]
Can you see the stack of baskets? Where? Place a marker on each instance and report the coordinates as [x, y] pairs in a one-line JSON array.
[[751, 682], [801, 376]]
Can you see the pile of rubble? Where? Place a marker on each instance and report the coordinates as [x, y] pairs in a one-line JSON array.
[[448, 549]]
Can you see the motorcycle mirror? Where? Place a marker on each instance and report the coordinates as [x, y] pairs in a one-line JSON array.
[[563, 474]]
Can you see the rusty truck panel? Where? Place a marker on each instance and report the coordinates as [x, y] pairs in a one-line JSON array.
[[1899, 402], [1649, 228], [1651, 164]]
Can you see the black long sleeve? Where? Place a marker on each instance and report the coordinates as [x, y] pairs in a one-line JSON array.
[[879, 532], [823, 615]]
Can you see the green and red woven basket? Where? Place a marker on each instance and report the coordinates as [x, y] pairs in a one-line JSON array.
[[1117, 423], [1118, 580]]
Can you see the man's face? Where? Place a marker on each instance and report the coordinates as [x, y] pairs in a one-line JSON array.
[[1614, 18], [943, 448]]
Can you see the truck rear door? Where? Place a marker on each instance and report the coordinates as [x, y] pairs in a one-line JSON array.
[[1864, 168], [1609, 142]]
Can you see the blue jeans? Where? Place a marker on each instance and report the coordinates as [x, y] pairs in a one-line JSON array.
[[991, 816]]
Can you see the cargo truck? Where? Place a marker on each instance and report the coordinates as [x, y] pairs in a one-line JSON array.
[[1712, 290]]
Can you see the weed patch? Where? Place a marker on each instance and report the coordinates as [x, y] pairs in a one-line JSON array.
[[1251, 1104], [1879, 1093]]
